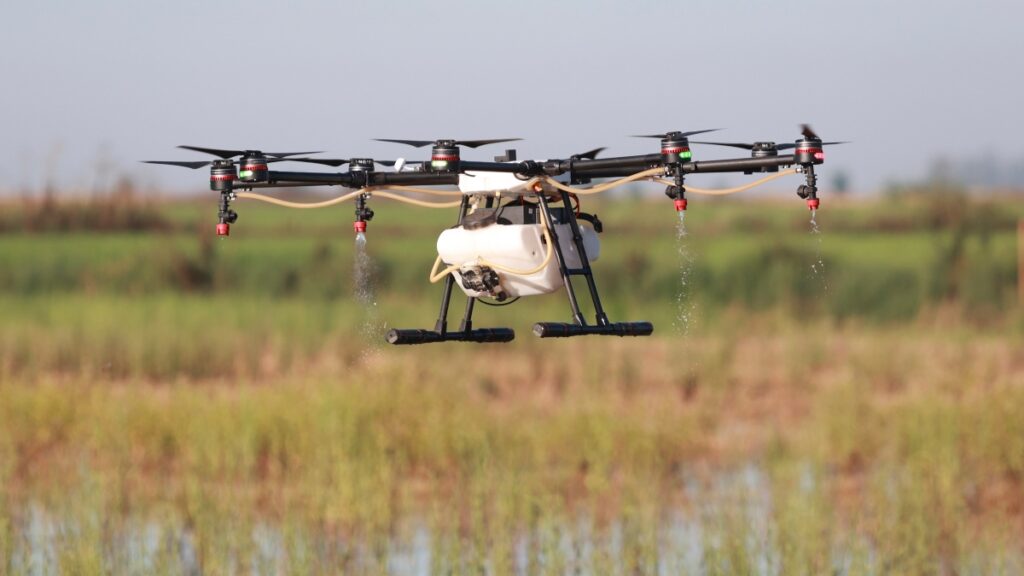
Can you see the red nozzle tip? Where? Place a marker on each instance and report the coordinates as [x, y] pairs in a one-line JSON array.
[[359, 226], [680, 204], [223, 229], [813, 203]]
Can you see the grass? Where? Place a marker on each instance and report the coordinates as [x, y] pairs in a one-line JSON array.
[[169, 405], [898, 449]]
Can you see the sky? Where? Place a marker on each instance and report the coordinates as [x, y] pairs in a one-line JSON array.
[[91, 88]]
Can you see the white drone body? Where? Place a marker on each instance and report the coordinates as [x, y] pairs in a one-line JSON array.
[[500, 184], [517, 253]]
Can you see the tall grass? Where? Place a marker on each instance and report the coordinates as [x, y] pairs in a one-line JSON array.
[[877, 450]]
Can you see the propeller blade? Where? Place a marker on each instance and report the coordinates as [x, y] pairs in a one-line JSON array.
[[589, 154], [695, 132], [325, 161], [466, 143], [225, 154], [733, 144], [286, 154], [336, 161], [805, 129], [413, 143], [479, 143], [682, 134], [183, 164], [393, 162], [789, 145]]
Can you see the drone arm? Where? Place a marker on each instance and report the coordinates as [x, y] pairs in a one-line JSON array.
[[413, 179], [326, 178], [358, 179], [525, 168], [610, 167], [739, 164], [605, 167]]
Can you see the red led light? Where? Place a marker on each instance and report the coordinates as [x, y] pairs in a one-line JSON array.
[[819, 155]]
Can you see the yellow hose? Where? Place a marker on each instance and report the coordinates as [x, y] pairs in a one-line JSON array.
[[606, 186], [287, 204], [413, 201], [725, 191], [382, 192], [436, 276], [343, 198], [417, 190]]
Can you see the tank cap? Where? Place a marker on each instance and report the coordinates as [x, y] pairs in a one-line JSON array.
[[480, 219]]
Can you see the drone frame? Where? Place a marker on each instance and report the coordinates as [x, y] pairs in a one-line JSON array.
[[446, 167]]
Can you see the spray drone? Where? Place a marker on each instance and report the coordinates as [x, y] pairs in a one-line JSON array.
[[520, 229]]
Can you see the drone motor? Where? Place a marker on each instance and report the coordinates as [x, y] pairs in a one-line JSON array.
[[444, 157], [222, 174], [253, 167]]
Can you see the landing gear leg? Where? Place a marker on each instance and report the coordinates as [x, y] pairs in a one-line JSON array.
[[440, 332], [579, 326]]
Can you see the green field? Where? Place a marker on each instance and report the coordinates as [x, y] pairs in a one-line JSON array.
[[174, 403]]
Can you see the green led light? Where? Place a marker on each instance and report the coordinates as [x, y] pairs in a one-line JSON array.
[[245, 174], [439, 163], [685, 155]]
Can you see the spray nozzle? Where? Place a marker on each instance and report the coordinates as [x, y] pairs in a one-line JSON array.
[[225, 216], [809, 191], [678, 196], [363, 214]]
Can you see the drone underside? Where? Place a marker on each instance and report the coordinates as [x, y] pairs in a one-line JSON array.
[[520, 230]]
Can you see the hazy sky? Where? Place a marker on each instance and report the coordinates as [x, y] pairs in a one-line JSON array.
[[113, 82]]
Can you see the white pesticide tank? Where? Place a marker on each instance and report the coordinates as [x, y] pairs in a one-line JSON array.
[[516, 253]]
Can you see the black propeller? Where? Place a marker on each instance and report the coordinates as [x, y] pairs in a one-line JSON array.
[[789, 145], [225, 154], [588, 155], [183, 164], [466, 143], [339, 161], [200, 163], [675, 134], [743, 145], [805, 130]]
